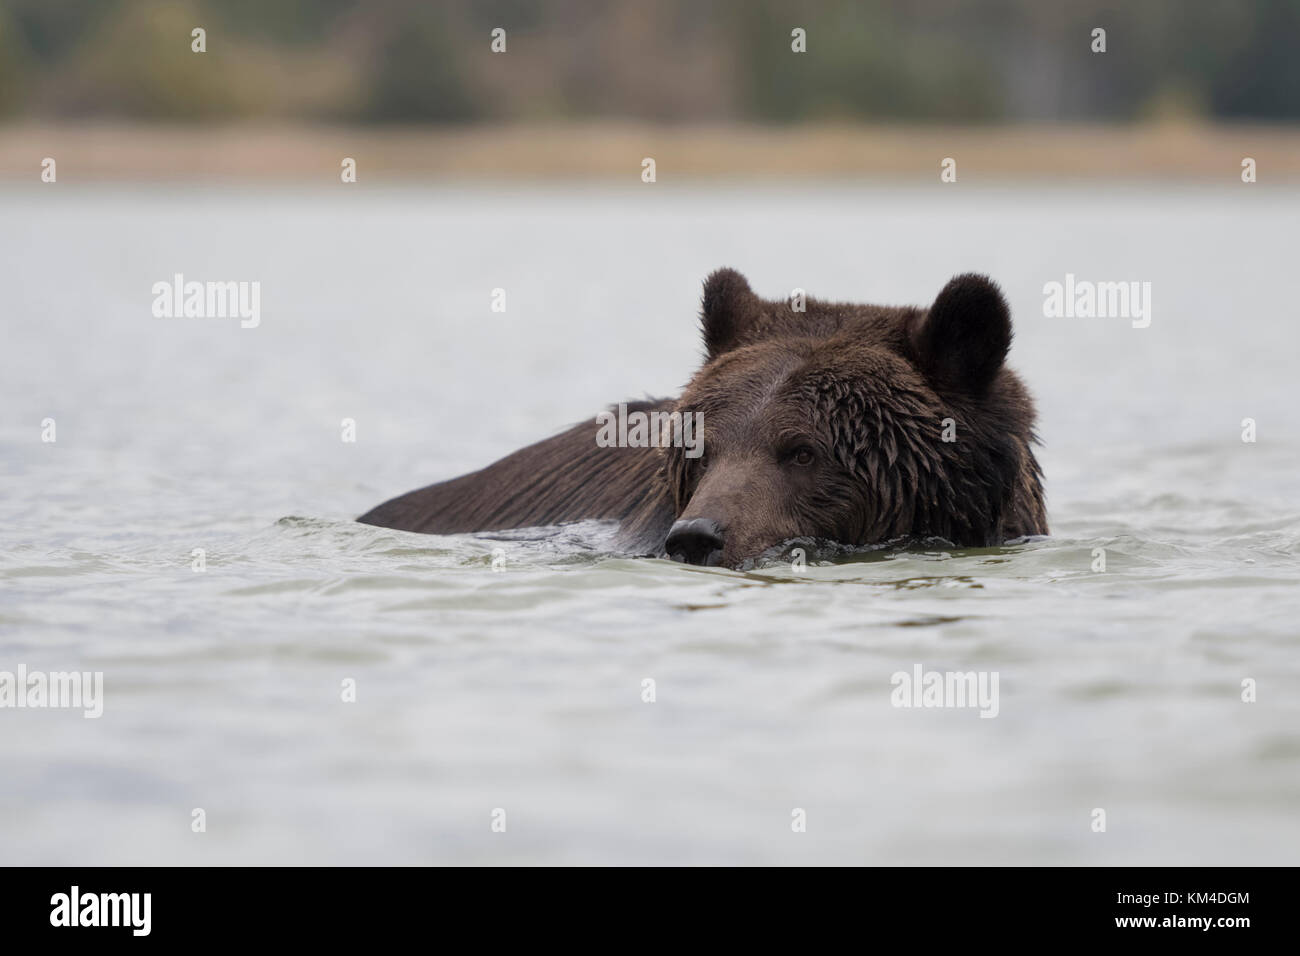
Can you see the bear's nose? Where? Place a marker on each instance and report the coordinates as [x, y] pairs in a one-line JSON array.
[[695, 541]]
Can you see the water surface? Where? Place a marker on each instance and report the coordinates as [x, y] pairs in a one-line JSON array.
[[521, 688]]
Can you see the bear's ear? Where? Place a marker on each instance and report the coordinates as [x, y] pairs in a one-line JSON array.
[[730, 306], [963, 340]]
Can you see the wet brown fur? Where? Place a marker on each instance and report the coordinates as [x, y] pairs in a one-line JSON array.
[[863, 391]]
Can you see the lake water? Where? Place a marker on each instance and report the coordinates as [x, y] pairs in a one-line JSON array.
[[520, 689]]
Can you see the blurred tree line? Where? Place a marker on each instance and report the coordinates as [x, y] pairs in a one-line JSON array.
[[429, 61]]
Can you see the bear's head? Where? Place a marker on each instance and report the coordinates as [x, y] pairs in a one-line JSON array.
[[852, 424]]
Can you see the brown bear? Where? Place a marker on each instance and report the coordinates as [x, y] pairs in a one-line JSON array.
[[854, 424]]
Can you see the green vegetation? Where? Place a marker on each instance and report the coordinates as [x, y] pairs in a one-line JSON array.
[[428, 61]]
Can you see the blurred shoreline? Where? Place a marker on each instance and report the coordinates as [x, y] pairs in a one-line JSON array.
[[126, 151]]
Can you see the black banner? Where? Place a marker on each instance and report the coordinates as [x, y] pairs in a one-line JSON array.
[[1158, 906]]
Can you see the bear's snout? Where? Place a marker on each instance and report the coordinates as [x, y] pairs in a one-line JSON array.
[[695, 541]]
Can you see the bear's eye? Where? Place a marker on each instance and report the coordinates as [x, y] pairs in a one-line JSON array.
[[803, 456]]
